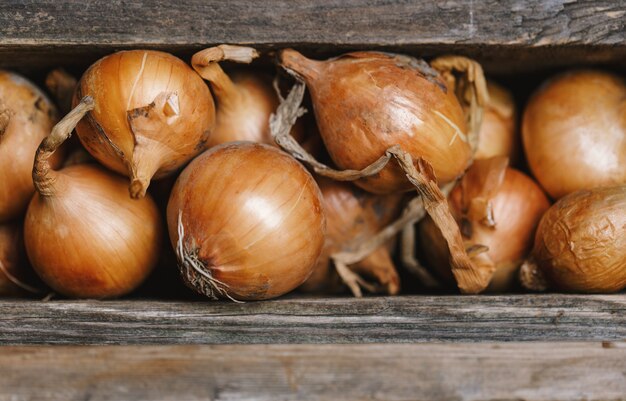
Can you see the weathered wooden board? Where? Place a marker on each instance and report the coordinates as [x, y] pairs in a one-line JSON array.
[[185, 22], [337, 320], [505, 35], [512, 371]]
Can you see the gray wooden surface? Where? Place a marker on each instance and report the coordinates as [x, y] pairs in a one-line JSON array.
[[505, 35], [337, 320], [511, 371]]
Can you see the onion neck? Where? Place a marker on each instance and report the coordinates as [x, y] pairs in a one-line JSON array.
[[149, 125], [295, 63], [206, 64], [143, 168], [44, 177]]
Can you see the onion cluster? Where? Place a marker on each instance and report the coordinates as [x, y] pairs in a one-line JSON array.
[[375, 108], [247, 221]]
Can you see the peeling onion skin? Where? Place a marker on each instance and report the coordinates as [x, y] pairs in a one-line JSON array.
[[134, 79], [252, 217], [353, 215], [12, 259], [89, 239], [517, 205], [498, 132], [576, 123], [366, 102], [580, 244], [31, 116]]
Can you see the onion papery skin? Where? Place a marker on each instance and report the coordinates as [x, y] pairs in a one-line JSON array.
[[88, 238], [12, 259], [517, 205], [353, 216], [574, 132], [158, 142], [498, 132], [580, 244], [244, 113], [253, 218], [31, 117], [366, 102]]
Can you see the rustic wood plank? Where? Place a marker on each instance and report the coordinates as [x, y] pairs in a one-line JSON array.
[[377, 22], [519, 34], [337, 320], [511, 371]]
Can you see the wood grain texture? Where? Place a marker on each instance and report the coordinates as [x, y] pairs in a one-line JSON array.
[[48, 32], [512, 371], [336, 320], [196, 22]]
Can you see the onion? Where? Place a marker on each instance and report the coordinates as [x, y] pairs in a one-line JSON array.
[[14, 269], [580, 244], [353, 216], [246, 221], [497, 207], [366, 102], [574, 132], [152, 114], [26, 117], [84, 236], [498, 132], [245, 100]]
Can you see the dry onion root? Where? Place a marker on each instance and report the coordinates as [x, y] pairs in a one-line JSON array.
[[245, 100], [580, 245], [353, 216], [246, 221], [574, 132], [26, 117], [385, 117], [84, 235], [497, 207], [152, 115]]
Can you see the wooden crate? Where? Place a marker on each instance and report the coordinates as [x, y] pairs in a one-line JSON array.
[[509, 347]]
